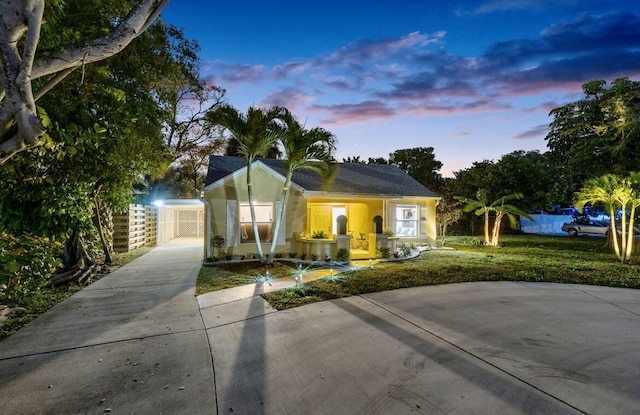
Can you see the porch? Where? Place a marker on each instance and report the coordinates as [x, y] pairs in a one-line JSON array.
[[361, 247]]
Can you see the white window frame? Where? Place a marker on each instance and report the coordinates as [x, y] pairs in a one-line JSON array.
[[265, 213], [407, 221]]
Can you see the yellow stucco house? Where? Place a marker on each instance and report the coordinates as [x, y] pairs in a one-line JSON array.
[[359, 192]]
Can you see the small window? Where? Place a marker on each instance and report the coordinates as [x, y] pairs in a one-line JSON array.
[[407, 221], [264, 220]]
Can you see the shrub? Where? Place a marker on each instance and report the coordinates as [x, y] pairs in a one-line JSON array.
[[343, 255], [320, 234], [383, 251], [471, 241], [405, 249], [26, 264], [293, 254], [303, 257], [314, 257]]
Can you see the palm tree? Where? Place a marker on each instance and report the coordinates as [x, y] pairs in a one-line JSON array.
[[615, 192], [303, 149], [256, 133], [502, 208], [634, 203], [481, 207]]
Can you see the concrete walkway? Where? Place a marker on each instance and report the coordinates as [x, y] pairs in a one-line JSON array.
[[133, 342], [136, 340]]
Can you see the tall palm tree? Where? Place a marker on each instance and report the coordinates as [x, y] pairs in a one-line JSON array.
[[256, 133], [481, 207], [604, 190], [615, 192], [634, 203], [303, 149]]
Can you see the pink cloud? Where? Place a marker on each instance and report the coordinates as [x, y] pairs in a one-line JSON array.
[[291, 69], [355, 113], [494, 6], [291, 98], [365, 50], [538, 131]]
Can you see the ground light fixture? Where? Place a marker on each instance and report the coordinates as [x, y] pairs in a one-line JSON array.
[[299, 273], [265, 278]]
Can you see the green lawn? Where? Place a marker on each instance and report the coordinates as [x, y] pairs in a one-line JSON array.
[[231, 274], [523, 258]]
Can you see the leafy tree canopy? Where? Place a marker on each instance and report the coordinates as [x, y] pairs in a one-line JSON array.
[[418, 162], [598, 134], [531, 173], [33, 64], [107, 126]]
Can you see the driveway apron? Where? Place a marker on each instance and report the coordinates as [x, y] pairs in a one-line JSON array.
[[133, 342]]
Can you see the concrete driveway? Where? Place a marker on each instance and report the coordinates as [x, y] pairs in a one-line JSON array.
[[139, 342], [485, 348]]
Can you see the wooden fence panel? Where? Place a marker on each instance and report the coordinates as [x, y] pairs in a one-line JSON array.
[[129, 229], [151, 226]]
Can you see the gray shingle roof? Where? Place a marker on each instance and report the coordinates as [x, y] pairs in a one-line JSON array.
[[351, 178]]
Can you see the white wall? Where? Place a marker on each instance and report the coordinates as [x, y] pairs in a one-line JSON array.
[[544, 224]]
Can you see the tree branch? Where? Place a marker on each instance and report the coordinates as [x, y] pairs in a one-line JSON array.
[[136, 22], [20, 126]]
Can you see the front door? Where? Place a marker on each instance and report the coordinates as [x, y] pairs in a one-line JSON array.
[[320, 219]]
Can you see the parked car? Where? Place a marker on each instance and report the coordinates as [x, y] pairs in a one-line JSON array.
[[588, 227]]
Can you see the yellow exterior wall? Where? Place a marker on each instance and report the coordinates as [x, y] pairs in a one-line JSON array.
[[360, 213]]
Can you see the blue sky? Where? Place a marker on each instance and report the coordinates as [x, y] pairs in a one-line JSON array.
[[473, 79]]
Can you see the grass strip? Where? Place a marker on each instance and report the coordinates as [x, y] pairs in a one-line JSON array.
[[523, 258]]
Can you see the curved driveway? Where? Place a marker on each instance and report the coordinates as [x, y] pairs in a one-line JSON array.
[[494, 347]]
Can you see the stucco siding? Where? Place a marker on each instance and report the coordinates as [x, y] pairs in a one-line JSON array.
[[267, 188]]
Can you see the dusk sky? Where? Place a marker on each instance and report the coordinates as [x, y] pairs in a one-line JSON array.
[[473, 79]]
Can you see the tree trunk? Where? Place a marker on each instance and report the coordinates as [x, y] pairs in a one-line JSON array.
[[486, 228], [21, 28], [630, 235], [252, 209], [613, 232], [79, 267], [495, 237], [280, 218], [75, 254], [98, 222]]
